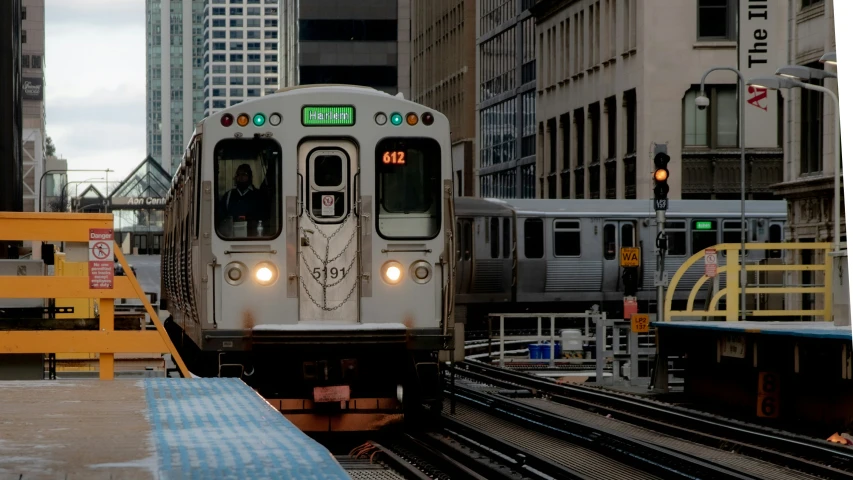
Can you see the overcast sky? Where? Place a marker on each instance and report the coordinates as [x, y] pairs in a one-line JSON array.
[[95, 85]]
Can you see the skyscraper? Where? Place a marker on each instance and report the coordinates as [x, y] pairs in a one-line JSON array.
[[241, 51], [174, 77]]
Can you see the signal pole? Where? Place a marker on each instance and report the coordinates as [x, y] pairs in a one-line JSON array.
[[661, 190]]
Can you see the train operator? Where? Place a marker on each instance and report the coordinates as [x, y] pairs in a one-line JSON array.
[[244, 205]]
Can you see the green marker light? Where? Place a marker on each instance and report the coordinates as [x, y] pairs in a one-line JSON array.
[[259, 119], [396, 119]]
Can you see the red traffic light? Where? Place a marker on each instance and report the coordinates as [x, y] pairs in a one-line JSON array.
[[227, 120]]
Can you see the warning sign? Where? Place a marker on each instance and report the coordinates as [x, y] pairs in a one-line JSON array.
[[101, 266], [328, 206], [711, 262], [629, 307], [640, 323], [630, 257]]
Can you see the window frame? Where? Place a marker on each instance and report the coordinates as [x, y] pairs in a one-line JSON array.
[[278, 192], [731, 22], [437, 195], [556, 228], [679, 227], [711, 116]]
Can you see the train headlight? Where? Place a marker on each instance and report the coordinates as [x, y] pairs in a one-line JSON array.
[[392, 272], [420, 271], [235, 273], [266, 273]]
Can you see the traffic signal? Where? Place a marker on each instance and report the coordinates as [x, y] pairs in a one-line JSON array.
[[661, 176]]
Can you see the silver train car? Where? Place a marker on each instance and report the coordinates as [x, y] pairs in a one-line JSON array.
[[308, 250], [563, 255]]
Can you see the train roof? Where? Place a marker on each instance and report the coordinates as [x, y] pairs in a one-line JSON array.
[[595, 208], [479, 206]]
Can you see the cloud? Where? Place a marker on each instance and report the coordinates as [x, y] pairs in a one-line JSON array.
[[95, 84]]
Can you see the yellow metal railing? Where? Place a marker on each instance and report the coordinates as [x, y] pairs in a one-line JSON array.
[[732, 290], [75, 227]]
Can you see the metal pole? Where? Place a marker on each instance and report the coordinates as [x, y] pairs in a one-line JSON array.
[[836, 204], [742, 141], [742, 256], [661, 297]]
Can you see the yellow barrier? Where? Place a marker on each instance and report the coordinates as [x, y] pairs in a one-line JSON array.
[[75, 227], [732, 290]]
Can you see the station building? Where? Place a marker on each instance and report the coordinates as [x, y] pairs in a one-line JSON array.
[[137, 204]]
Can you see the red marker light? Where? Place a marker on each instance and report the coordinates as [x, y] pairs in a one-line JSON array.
[[427, 118], [227, 120]]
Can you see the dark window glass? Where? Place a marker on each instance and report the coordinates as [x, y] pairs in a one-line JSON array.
[[248, 192], [408, 184], [534, 239], [348, 30]]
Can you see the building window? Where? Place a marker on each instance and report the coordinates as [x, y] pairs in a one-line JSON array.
[[23, 36], [717, 125], [811, 140], [236, 22], [715, 19], [36, 61], [810, 3], [25, 61], [238, 34], [629, 100], [23, 13]]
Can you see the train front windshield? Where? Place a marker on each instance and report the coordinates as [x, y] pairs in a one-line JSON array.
[[408, 179], [247, 188]]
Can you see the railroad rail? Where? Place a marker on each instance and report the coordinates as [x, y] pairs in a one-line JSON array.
[[797, 452], [653, 459]]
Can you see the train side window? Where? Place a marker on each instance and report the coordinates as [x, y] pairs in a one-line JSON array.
[[627, 236], [458, 241], [676, 232], [494, 225], [248, 188], [703, 234], [731, 232], [567, 239], [506, 238], [534, 238], [468, 234], [775, 236], [609, 241]]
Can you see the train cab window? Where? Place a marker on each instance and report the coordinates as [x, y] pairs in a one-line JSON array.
[[676, 232], [328, 171], [567, 239], [609, 241], [495, 238], [627, 235], [408, 187], [247, 188], [703, 234], [506, 238], [534, 238], [774, 236], [731, 232]]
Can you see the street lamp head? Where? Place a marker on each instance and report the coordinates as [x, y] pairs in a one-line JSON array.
[[774, 83], [800, 72], [702, 102], [829, 58]]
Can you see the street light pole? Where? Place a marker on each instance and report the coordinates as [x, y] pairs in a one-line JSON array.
[[741, 124], [41, 179], [779, 82]]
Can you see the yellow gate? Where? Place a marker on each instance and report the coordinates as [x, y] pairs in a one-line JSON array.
[[76, 227], [732, 289]]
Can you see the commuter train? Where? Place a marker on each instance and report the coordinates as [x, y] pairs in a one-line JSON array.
[[308, 249], [547, 256]]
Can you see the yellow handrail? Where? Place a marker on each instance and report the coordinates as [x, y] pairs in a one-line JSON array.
[[75, 227], [733, 283]]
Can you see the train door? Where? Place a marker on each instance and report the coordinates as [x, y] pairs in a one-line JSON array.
[[616, 234], [328, 225], [464, 255], [140, 244]]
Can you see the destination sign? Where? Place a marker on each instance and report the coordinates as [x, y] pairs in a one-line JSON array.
[[323, 116], [703, 225]]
